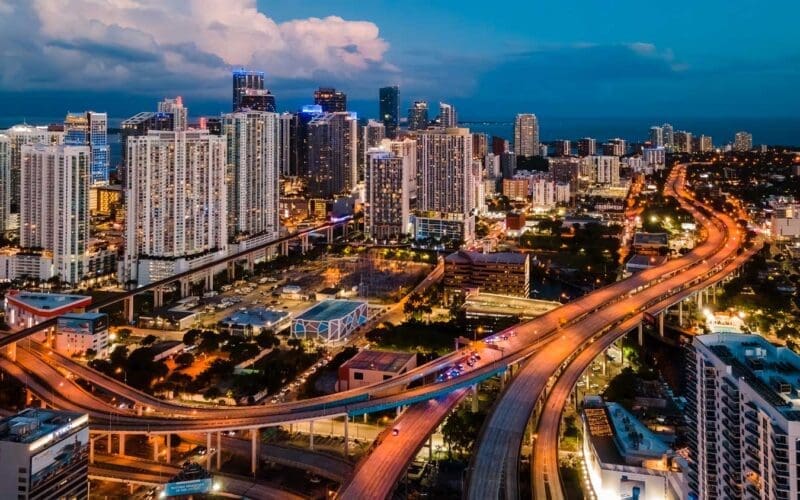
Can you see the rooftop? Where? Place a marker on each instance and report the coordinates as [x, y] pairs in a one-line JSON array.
[[464, 257], [383, 361], [45, 302], [31, 424], [84, 316], [618, 436], [650, 239], [330, 309], [773, 372], [256, 316], [639, 260]]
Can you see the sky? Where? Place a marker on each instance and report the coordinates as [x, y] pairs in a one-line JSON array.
[[566, 58]]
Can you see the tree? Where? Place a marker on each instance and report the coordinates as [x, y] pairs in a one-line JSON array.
[[295, 343], [123, 333], [191, 336], [267, 339], [149, 340], [209, 342], [184, 359], [212, 393], [90, 353], [119, 356]]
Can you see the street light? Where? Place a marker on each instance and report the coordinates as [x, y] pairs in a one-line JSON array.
[[123, 372]]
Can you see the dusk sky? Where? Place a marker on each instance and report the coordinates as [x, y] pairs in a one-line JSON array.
[[573, 58]]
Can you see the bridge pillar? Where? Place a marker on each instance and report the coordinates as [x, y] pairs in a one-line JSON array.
[[155, 448], [253, 451], [231, 271], [475, 398], [122, 444], [185, 285], [285, 248], [251, 263], [11, 351], [680, 313], [329, 233], [158, 298], [311, 435], [168, 446], [208, 450], [219, 450], [127, 307], [605, 363], [430, 448], [304, 245], [110, 448], [91, 450], [209, 281], [346, 436], [661, 323], [700, 300]]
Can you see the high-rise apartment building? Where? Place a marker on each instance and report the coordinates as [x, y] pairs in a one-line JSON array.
[[682, 142], [587, 146], [285, 122], [332, 154], [252, 157], [257, 100], [743, 406], [54, 210], [508, 164], [177, 209], [244, 80], [45, 455], [448, 118], [180, 114], [743, 141], [299, 145], [374, 134], [702, 144], [526, 135], [390, 189], [566, 170], [418, 116], [480, 146], [656, 136], [389, 109], [615, 147], [669, 136], [562, 148], [654, 158], [330, 99], [5, 179], [606, 169], [543, 191]]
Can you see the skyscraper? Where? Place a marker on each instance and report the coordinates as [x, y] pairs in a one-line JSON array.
[[180, 114], [299, 145], [682, 142], [90, 129], [448, 118], [744, 425], [5, 179], [587, 146], [330, 99], [606, 169], [656, 136], [19, 136], [562, 148], [285, 121], [244, 80], [743, 141], [252, 157], [508, 164], [257, 100], [390, 189], [54, 211], [418, 116], [480, 146], [526, 135], [332, 154], [669, 136], [389, 109], [702, 144], [177, 209]]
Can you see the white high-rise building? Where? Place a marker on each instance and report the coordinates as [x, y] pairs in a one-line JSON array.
[[743, 405], [177, 208], [252, 142], [655, 158], [390, 189], [5, 179], [743, 141], [332, 154], [285, 143], [526, 135], [180, 114], [656, 136], [543, 191], [54, 211], [606, 169], [448, 118], [669, 136]]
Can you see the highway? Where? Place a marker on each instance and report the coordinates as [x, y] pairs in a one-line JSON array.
[[494, 467], [544, 463]]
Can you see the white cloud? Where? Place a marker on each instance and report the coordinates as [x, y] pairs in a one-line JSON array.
[[173, 44]]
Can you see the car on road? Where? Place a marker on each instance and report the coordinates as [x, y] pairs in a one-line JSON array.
[[396, 431]]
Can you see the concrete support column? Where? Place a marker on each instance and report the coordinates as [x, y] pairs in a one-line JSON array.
[[231, 270], [699, 300], [680, 313], [122, 444], [168, 446], [110, 448], [128, 309], [91, 450], [346, 436], [641, 335], [185, 285], [219, 450], [11, 351], [475, 407], [155, 448], [251, 263], [311, 435], [253, 451], [158, 297], [208, 450], [329, 232], [285, 248], [304, 245], [28, 397], [661, 323], [605, 363], [209, 281]]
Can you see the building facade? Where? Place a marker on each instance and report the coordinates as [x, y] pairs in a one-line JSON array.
[[330, 100], [504, 273], [389, 109], [526, 135], [177, 203], [332, 154], [418, 116], [390, 189]]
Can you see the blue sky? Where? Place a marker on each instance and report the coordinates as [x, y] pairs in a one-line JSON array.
[[567, 58]]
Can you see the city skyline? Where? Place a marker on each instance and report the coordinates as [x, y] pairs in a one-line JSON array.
[[124, 60]]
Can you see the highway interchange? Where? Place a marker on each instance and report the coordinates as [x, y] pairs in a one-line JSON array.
[[595, 317]]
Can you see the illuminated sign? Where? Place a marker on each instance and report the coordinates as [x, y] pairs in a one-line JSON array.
[[192, 487]]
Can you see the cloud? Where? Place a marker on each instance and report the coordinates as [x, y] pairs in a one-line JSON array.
[[174, 46]]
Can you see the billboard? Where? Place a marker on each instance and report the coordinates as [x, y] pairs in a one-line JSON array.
[[190, 487], [82, 326], [63, 454]]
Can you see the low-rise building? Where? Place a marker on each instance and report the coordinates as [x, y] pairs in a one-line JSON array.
[[640, 262], [25, 309], [45, 455], [77, 333], [651, 243], [251, 321], [624, 459], [370, 367], [330, 320], [505, 273], [516, 189]]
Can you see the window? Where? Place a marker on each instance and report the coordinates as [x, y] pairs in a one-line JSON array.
[[358, 376]]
